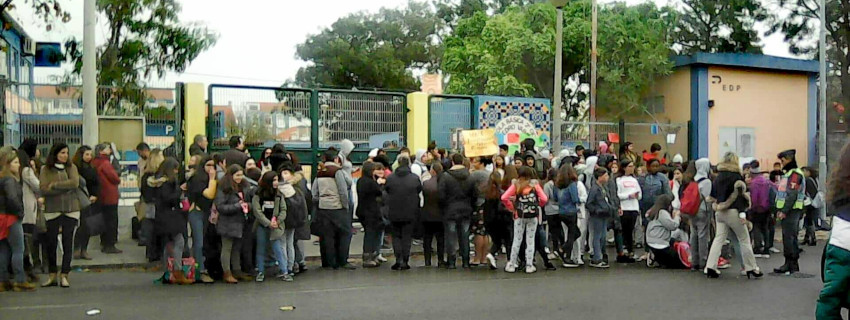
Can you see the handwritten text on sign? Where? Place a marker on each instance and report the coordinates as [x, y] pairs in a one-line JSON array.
[[478, 143]]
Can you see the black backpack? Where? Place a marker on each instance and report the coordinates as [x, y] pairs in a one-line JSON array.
[[527, 206]]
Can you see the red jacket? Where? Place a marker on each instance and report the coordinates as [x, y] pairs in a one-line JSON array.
[[108, 180]]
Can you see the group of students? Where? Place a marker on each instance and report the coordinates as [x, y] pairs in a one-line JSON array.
[[233, 209], [41, 200]]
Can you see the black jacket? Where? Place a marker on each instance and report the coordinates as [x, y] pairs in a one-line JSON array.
[[170, 220], [403, 188], [724, 186], [457, 194], [431, 212], [12, 198], [88, 173], [368, 202], [195, 192]]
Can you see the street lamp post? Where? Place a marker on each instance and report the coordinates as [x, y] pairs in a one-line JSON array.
[[556, 94]]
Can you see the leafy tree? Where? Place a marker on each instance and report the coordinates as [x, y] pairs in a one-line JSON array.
[[145, 39], [378, 50], [512, 54], [49, 11], [801, 29], [720, 26]]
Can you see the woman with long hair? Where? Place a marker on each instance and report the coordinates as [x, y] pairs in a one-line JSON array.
[[270, 209], [833, 296], [171, 221], [11, 215], [565, 194], [627, 153], [200, 191], [265, 164], [369, 195], [59, 182], [82, 159], [662, 233], [729, 190], [530, 200], [30, 188], [297, 223], [629, 192], [497, 217], [432, 217], [233, 210], [146, 234]]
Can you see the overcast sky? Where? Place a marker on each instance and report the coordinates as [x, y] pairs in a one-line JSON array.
[[257, 38]]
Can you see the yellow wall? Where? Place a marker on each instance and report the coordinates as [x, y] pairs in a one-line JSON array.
[[194, 118], [417, 121], [774, 103], [676, 92]]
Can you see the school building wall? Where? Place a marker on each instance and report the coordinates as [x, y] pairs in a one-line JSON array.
[[774, 104]]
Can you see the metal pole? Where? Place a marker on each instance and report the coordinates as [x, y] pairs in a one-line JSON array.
[[556, 95], [593, 31], [822, 102], [90, 125]]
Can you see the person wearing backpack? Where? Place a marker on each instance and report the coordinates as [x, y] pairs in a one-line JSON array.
[[529, 197], [694, 205], [760, 211], [600, 207], [630, 194]]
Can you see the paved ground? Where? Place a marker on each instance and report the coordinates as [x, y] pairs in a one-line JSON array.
[[622, 292]]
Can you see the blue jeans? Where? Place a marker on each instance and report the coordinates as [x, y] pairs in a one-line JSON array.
[[280, 254], [457, 234], [598, 230], [262, 235], [288, 245], [198, 221], [13, 248]]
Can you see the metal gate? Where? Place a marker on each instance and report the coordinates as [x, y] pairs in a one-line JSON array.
[[447, 112], [306, 121]]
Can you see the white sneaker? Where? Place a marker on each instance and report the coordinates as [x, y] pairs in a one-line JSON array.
[[510, 268], [381, 258], [580, 262], [530, 269], [492, 260], [774, 250]]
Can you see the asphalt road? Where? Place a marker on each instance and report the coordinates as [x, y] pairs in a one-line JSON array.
[[622, 292]]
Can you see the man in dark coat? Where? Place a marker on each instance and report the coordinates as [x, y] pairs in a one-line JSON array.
[[457, 200], [403, 188]]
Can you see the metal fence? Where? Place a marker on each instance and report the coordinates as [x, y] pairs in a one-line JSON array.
[[51, 113], [306, 120], [368, 119], [448, 112]]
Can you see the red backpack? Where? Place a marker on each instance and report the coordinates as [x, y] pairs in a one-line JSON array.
[[690, 199]]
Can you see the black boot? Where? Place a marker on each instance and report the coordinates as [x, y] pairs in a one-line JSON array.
[[795, 266], [785, 268], [427, 259], [451, 263]]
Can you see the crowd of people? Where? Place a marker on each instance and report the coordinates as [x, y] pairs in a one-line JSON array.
[[229, 217]]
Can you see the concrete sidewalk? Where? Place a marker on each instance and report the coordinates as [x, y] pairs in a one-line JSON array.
[[134, 255]]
